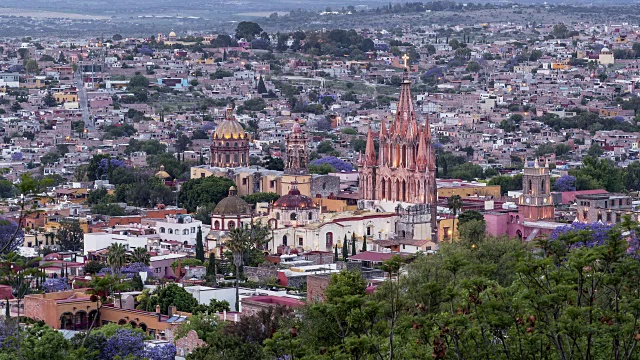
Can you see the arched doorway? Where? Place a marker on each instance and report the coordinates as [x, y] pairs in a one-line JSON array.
[[80, 320], [329, 241], [93, 314], [66, 321]]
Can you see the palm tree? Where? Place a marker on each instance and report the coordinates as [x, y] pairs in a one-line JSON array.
[[99, 289], [116, 257], [140, 255], [242, 239], [455, 204]]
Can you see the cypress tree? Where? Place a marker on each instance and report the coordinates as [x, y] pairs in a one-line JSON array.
[[345, 251], [211, 265], [262, 89], [199, 245], [7, 310], [136, 282], [335, 255], [364, 243], [353, 244]]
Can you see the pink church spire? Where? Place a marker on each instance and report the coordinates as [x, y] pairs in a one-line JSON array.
[[370, 151], [423, 156]]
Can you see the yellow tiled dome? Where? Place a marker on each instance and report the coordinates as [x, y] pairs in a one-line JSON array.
[[230, 128]]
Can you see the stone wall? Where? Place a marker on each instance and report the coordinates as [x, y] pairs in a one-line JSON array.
[[186, 345], [316, 286], [320, 258], [297, 281], [261, 274], [325, 186]]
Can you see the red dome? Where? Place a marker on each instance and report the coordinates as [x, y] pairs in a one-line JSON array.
[[294, 200]]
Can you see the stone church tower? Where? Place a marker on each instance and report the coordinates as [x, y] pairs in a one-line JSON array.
[[405, 169], [536, 203], [297, 161], [230, 146]]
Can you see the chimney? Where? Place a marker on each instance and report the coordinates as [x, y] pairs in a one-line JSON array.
[[158, 313], [172, 310]]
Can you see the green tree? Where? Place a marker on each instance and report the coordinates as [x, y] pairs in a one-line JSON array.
[[595, 150], [345, 248], [353, 244], [204, 213], [92, 267], [507, 183], [322, 169], [454, 203], [325, 147], [469, 215], [140, 255], [241, 240], [138, 81], [108, 209], [473, 67], [70, 235], [199, 245], [211, 266], [472, 232], [259, 197], [262, 89], [247, 30], [136, 282], [172, 295], [207, 190], [116, 257]]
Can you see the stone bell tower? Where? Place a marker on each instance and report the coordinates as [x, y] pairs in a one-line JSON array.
[[536, 203]]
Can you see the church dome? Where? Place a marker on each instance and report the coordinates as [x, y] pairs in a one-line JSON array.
[[232, 205], [294, 200], [229, 129], [163, 174], [172, 34]]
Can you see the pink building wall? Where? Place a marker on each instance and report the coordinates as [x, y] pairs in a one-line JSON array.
[[501, 224], [164, 267], [510, 224]]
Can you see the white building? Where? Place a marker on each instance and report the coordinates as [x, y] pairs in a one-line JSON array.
[[182, 228], [204, 294], [102, 240], [332, 228]]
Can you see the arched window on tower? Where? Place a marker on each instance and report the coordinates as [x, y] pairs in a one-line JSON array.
[[384, 189], [293, 216], [284, 240], [216, 225], [542, 191], [530, 187]]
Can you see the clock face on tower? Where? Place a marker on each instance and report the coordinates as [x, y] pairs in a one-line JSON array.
[[527, 200]]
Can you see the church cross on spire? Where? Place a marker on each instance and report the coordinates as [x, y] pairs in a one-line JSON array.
[[405, 57]]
